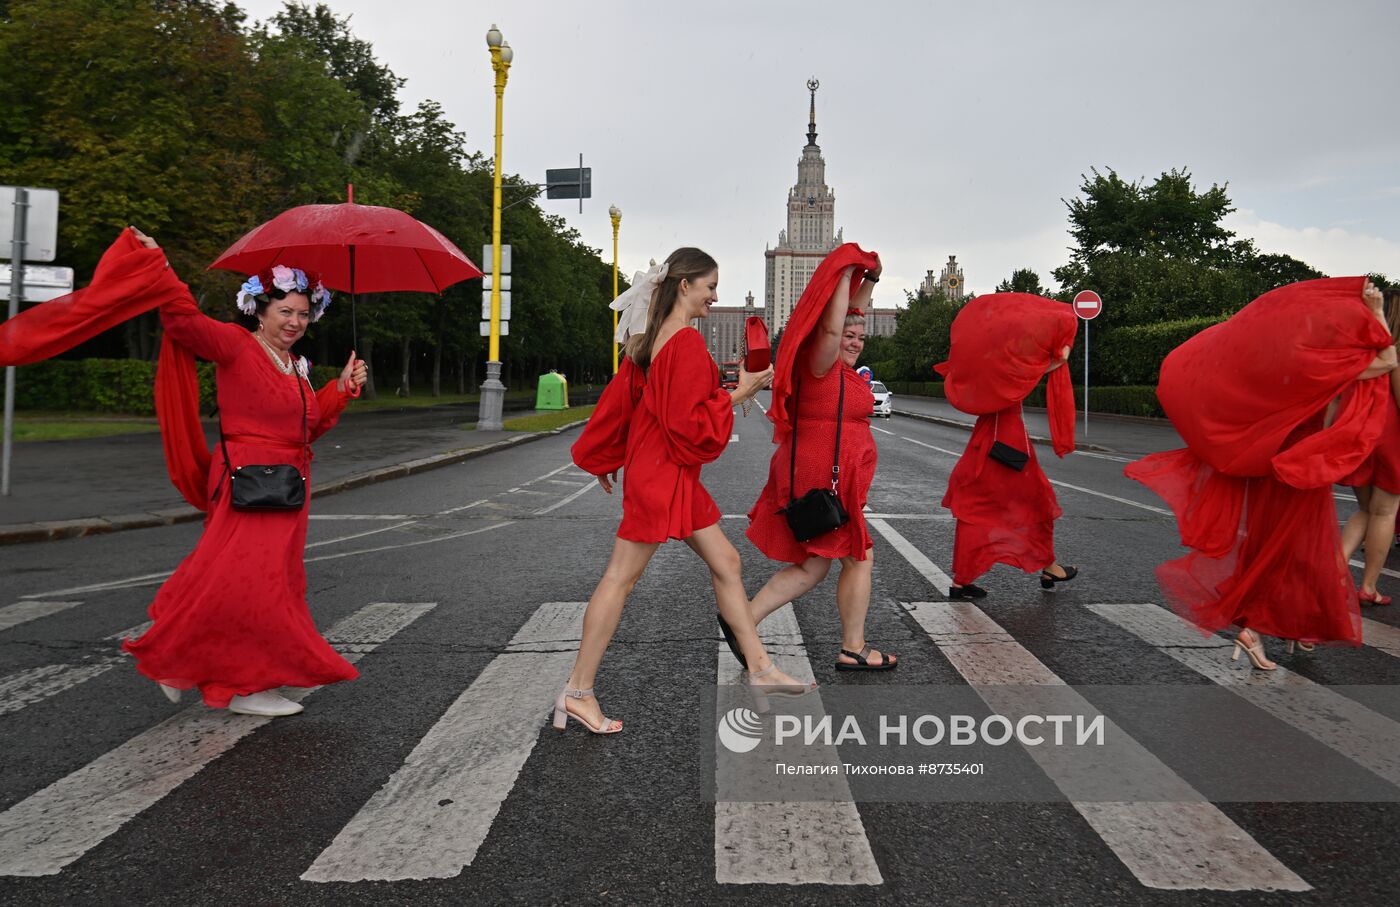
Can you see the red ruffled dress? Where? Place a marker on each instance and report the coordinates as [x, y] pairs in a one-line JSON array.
[[660, 428], [1382, 467], [233, 619], [1003, 516], [816, 444]]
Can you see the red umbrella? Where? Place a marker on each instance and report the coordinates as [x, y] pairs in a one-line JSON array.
[[356, 249]]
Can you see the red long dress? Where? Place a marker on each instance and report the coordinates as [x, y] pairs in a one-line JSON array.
[[1003, 516], [660, 428], [816, 445], [233, 619], [1002, 343], [1382, 467], [1247, 396]]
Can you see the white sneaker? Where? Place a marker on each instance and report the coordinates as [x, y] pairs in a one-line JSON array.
[[171, 693], [266, 704]]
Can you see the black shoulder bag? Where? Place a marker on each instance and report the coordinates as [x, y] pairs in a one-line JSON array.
[[819, 511], [1005, 454], [278, 487]]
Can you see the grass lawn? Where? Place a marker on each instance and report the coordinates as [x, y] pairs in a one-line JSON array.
[[547, 421], [389, 401], [68, 428]]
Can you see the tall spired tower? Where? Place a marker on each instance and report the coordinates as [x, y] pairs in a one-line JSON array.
[[811, 229]]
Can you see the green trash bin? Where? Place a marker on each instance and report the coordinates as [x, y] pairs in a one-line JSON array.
[[553, 392]]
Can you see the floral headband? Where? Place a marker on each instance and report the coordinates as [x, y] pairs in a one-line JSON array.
[[288, 280]]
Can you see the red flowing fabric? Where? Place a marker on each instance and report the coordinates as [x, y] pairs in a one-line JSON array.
[[233, 618], [661, 428], [130, 279], [806, 315], [1252, 489], [1001, 346]]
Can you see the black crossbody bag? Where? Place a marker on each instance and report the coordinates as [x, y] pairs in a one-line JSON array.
[[819, 511], [278, 487], [1005, 454]]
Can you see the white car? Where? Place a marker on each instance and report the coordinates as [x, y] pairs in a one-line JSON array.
[[884, 400]]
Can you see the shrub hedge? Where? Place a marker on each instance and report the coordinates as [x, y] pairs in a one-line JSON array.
[[1138, 400], [111, 385]]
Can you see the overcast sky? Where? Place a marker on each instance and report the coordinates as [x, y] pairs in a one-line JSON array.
[[947, 128]]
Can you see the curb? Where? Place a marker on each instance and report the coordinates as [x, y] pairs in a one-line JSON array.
[[967, 426], [55, 530]]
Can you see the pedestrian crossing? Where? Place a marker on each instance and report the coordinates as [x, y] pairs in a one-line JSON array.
[[438, 808]]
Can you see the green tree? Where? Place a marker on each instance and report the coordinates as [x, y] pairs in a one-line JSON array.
[[1022, 280]]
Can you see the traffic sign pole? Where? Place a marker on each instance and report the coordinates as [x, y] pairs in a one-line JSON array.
[[1087, 305], [16, 291]]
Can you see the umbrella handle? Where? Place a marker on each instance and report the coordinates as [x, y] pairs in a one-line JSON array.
[[353, 391]]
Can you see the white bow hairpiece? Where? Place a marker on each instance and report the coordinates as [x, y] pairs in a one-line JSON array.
[[632, 305]]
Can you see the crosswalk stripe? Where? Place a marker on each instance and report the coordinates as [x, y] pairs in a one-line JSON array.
[[1176, 841], [25, 611], [790, 843], [32, 685], [927, 568], [1381, 636], [55, 826], [431, 817], [1362, 735]]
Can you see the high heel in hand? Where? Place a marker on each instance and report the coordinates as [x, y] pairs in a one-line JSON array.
[[562, 713]]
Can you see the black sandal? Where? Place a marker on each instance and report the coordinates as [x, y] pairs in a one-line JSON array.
[[966, 593], [862, 663], [1048, 579], [732, 641]]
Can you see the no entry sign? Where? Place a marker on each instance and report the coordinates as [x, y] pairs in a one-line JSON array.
[[1087, 304]]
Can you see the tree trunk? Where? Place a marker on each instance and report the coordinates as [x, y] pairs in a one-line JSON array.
[[461, 375], [404, 389]]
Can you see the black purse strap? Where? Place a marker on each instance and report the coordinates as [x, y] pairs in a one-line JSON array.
[[305, 431], [840, 413]]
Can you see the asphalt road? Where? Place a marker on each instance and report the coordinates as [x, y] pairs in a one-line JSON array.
[[435, 779]]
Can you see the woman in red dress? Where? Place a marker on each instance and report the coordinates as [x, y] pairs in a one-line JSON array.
[[1377, 488], [1002, 344], [233, 619], [1252, 490], [825, 335], [661, 418]]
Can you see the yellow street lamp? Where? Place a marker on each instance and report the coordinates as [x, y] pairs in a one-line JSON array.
[[493, 392], [615, 213]]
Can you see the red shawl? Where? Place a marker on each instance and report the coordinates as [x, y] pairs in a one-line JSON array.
[[1002, 344], [805, 318], [130, 279], [1247, 397]]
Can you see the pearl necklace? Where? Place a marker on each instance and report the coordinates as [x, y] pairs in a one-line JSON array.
[[276, 359]]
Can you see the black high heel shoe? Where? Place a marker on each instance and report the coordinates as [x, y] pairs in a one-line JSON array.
[[1048, 579]]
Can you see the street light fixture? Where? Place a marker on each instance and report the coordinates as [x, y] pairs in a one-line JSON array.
[[493, 392], [615, 213]]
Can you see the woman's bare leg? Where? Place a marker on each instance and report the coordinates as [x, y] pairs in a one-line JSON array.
[[726, 572], [853, 602], [600, 620], [788, 584], [1380, 536], [1354, 530]]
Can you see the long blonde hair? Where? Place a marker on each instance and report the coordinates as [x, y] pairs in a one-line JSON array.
[[1392, 312], [686, 263]]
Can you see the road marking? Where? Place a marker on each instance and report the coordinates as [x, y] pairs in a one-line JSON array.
[[442, 538], [552, 472], [1367, 738], [1103, 456], [783, 842], [1099, 494], [429, 820], [1175, 840], [1381, 636], [1385, 570], [881, 430], [571, 484], [365, 516], [360, 535], [55, 826], [733, 438], [568, 500], [24, 611], [927, 568], [463, 507], [32, 685], [936, 517]]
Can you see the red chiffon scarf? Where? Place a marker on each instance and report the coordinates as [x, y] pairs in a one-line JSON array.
[[806, 316], [1002, 344], [130, 279]]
